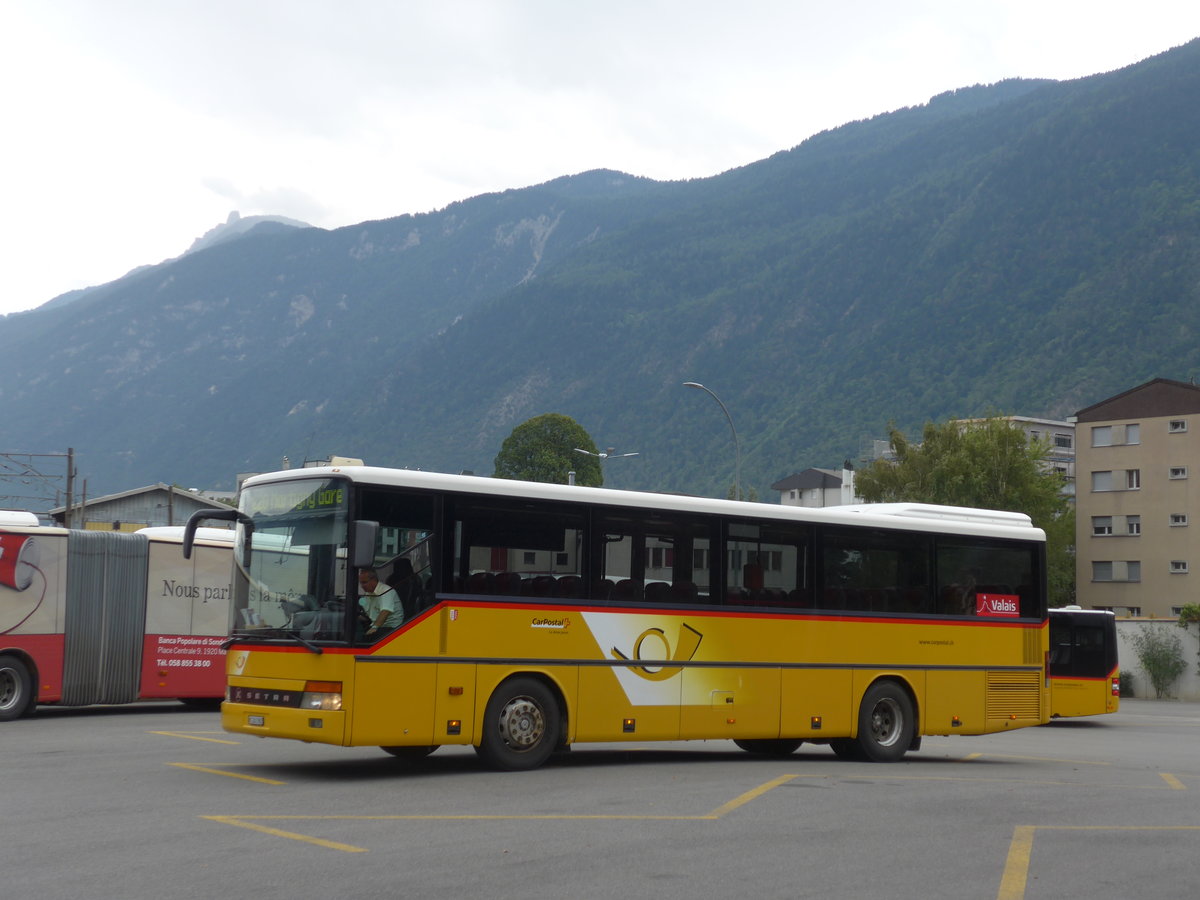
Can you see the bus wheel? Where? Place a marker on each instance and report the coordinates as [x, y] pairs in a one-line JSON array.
[[412, 754], [770, 747], [520, 725], [16, 689], [885, 722]]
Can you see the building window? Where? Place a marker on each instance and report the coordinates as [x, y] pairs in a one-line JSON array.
[[1133, 525], [1178, 472], [1063, 440], [1102, 481], [1177, 426], [1102, 436], [1133, 434], [1116, 570], [1178, 520], [1133, 479], [1179, 567], [1101, 525]]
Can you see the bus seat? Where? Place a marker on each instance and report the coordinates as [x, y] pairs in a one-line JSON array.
[[601, 590], [624, 590], [507, 584], [684, 592], [658, 592], [480, 583], [569, 586]]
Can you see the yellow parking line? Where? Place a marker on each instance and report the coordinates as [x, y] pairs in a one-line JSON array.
[[212, 771], [1020, 849], [1016, 869], [194, 736], [241, 823], [748, 796], [1174, 782]]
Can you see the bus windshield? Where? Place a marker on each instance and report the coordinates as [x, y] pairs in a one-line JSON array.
[[291, 560]]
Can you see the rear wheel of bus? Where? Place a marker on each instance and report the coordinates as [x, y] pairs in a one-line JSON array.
[[521, 726], [16, 689], [886, 723]]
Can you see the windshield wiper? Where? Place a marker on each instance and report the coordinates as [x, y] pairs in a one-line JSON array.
[[259, 638]]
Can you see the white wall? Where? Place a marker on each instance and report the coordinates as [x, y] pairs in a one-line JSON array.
[[1188, 685]]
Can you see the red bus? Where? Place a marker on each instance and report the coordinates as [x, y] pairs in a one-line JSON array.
[[91, 617]]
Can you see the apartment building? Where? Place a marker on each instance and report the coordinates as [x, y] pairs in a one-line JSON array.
[[1138, 520]]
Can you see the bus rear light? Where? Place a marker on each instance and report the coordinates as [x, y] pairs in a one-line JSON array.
[[325, 695], [1116, 687]]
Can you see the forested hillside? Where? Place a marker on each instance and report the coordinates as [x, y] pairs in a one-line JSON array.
[[1027, 247]]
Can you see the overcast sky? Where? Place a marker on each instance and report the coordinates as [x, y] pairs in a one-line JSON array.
[[131, 127]]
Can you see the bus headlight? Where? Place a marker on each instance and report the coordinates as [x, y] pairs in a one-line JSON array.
[[326, 695]]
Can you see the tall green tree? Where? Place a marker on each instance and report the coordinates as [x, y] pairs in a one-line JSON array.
[[544, 449], [988, 463]]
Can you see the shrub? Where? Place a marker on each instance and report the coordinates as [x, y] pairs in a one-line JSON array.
[[1161, 654]]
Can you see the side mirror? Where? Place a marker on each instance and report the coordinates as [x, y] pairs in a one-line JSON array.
[[366, 534], [205, 515]]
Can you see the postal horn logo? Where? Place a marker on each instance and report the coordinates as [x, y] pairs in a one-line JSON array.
[[653, 647]]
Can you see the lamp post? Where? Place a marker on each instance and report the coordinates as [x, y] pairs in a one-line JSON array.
[[603, 455], [737, 448]]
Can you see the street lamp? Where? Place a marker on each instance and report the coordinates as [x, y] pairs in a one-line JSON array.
[[603, 455], [737, 449]]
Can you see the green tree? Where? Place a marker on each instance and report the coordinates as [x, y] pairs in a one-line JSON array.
[[1161, 654], [988, 463], [543, 449]]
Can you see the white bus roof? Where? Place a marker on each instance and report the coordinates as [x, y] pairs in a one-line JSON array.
[[19, 518], [175, 533], [903, 516]]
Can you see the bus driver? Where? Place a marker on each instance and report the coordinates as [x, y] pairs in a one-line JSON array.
[[380, 610]]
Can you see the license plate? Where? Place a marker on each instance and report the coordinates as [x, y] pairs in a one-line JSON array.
[[255, 720]]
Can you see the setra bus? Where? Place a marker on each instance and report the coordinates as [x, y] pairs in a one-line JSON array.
[[546, 615], [1085, 678], [92, 617]]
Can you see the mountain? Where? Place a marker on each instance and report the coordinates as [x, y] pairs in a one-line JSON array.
[[1025, 247]]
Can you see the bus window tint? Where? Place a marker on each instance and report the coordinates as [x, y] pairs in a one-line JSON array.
[[517, 551], [655, 560], [876, 571], [406, 540], [987, 579], [767, 565]]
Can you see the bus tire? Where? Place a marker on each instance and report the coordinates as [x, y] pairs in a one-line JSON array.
[[521, 725], [16, 689], [770, 746], [411, 754], [886, 722]]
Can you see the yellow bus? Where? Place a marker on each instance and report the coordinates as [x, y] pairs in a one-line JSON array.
[[547, 615], [1085, 678]]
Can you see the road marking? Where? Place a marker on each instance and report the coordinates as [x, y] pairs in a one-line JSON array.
[[251, 822], [240, 822], [1016, 869], [1175, 783], [195, 736], [749, 795], [214, 771], [1020, 850]]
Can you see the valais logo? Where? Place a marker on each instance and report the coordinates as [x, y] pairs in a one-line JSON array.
[[997, 605]]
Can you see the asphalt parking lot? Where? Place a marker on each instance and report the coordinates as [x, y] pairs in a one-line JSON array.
[[156, 801]]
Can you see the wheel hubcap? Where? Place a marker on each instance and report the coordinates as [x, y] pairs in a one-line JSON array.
[[8, 689], [885, 722], [522, 723]]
